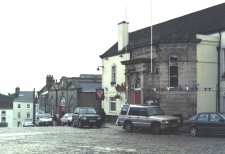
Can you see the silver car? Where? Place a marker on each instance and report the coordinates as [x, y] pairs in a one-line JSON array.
[[67, 119], [149, 117]]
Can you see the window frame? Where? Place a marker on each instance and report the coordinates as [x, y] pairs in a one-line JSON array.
[[173, 64], [112, 100], [113, 74]]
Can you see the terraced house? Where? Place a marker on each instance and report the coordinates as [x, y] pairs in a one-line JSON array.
[[181, 68]]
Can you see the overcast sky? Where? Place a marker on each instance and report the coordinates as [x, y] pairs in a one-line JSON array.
[[66, 37]]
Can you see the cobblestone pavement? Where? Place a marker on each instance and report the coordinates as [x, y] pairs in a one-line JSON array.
[[109, 139]]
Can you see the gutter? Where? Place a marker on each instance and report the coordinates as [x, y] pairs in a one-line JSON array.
[[218, 84]]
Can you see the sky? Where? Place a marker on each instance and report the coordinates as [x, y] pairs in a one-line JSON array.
[[66, 37]]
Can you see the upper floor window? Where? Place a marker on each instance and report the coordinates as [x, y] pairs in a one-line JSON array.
[[113, 81], [18, 105], [173, 71], [28, 105], [3, 112]]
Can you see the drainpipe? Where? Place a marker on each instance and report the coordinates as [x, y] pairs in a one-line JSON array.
[[218, 87]]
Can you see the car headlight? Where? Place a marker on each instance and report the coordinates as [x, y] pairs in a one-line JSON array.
[[99, 118], [165, 122]]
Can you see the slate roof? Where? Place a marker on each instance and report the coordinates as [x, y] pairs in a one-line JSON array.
[[25, 97], [90, 86], [182, 29], [6, 102]]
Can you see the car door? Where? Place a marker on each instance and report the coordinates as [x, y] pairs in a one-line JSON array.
[[134, 117], [217, 124], [203, 123], [143, 118]]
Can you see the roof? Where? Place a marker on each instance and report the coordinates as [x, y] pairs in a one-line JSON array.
[[6, 102], [182, 29], [24, 97], [90, 86]]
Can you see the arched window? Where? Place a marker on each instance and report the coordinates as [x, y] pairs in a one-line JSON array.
[[173, 71], [137, 82]]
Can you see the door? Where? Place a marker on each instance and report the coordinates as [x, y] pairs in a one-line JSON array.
[[137, 96]]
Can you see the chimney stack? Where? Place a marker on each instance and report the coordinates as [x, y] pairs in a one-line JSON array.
[[123, 37], [49, 80], [17, 91]]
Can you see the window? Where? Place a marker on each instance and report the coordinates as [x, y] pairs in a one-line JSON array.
[[3, 112], [113, 81], [203, 117], [214, 117], [28, 114], [124, 111], [28, 105], [3, 119], [173, 71], [133, 111], [112, 104], [18, 124], [18, 114], [18, 105]]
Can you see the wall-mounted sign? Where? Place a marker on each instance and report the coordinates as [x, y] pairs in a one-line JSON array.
[[100, 94]]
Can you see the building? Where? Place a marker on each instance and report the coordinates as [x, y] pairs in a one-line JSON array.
[[63, 96], [113, 78], [6, 111], [22, 106], [179, 69]]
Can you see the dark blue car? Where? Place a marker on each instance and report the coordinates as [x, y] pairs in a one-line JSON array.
[[205, 123]]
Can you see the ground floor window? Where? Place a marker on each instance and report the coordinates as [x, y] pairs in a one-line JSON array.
[[28, 114], [18, 124], [112, 104]]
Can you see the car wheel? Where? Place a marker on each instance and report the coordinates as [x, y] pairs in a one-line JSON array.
[[79, 124], [156, 128], [128, 126], [193, 131]]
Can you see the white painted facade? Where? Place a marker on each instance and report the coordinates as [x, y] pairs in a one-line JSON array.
[[113, 106], [6, 116], [22, 111], [207, 68]]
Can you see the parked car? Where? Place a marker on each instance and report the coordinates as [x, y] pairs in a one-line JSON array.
[[205, 123], [85, 116], [28, 123], [44, 120], [148, 117], [67, 119]]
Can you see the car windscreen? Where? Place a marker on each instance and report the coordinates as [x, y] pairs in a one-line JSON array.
[[154, 111], [87, 111], [44, 116]]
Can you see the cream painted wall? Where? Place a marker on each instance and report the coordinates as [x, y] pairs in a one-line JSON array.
[[8, 116], [110, 90], [222, 71], [23, 112], [207, 72]]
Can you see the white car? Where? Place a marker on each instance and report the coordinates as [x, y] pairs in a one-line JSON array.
[[44, 120], [67, 119], [28, 123]]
